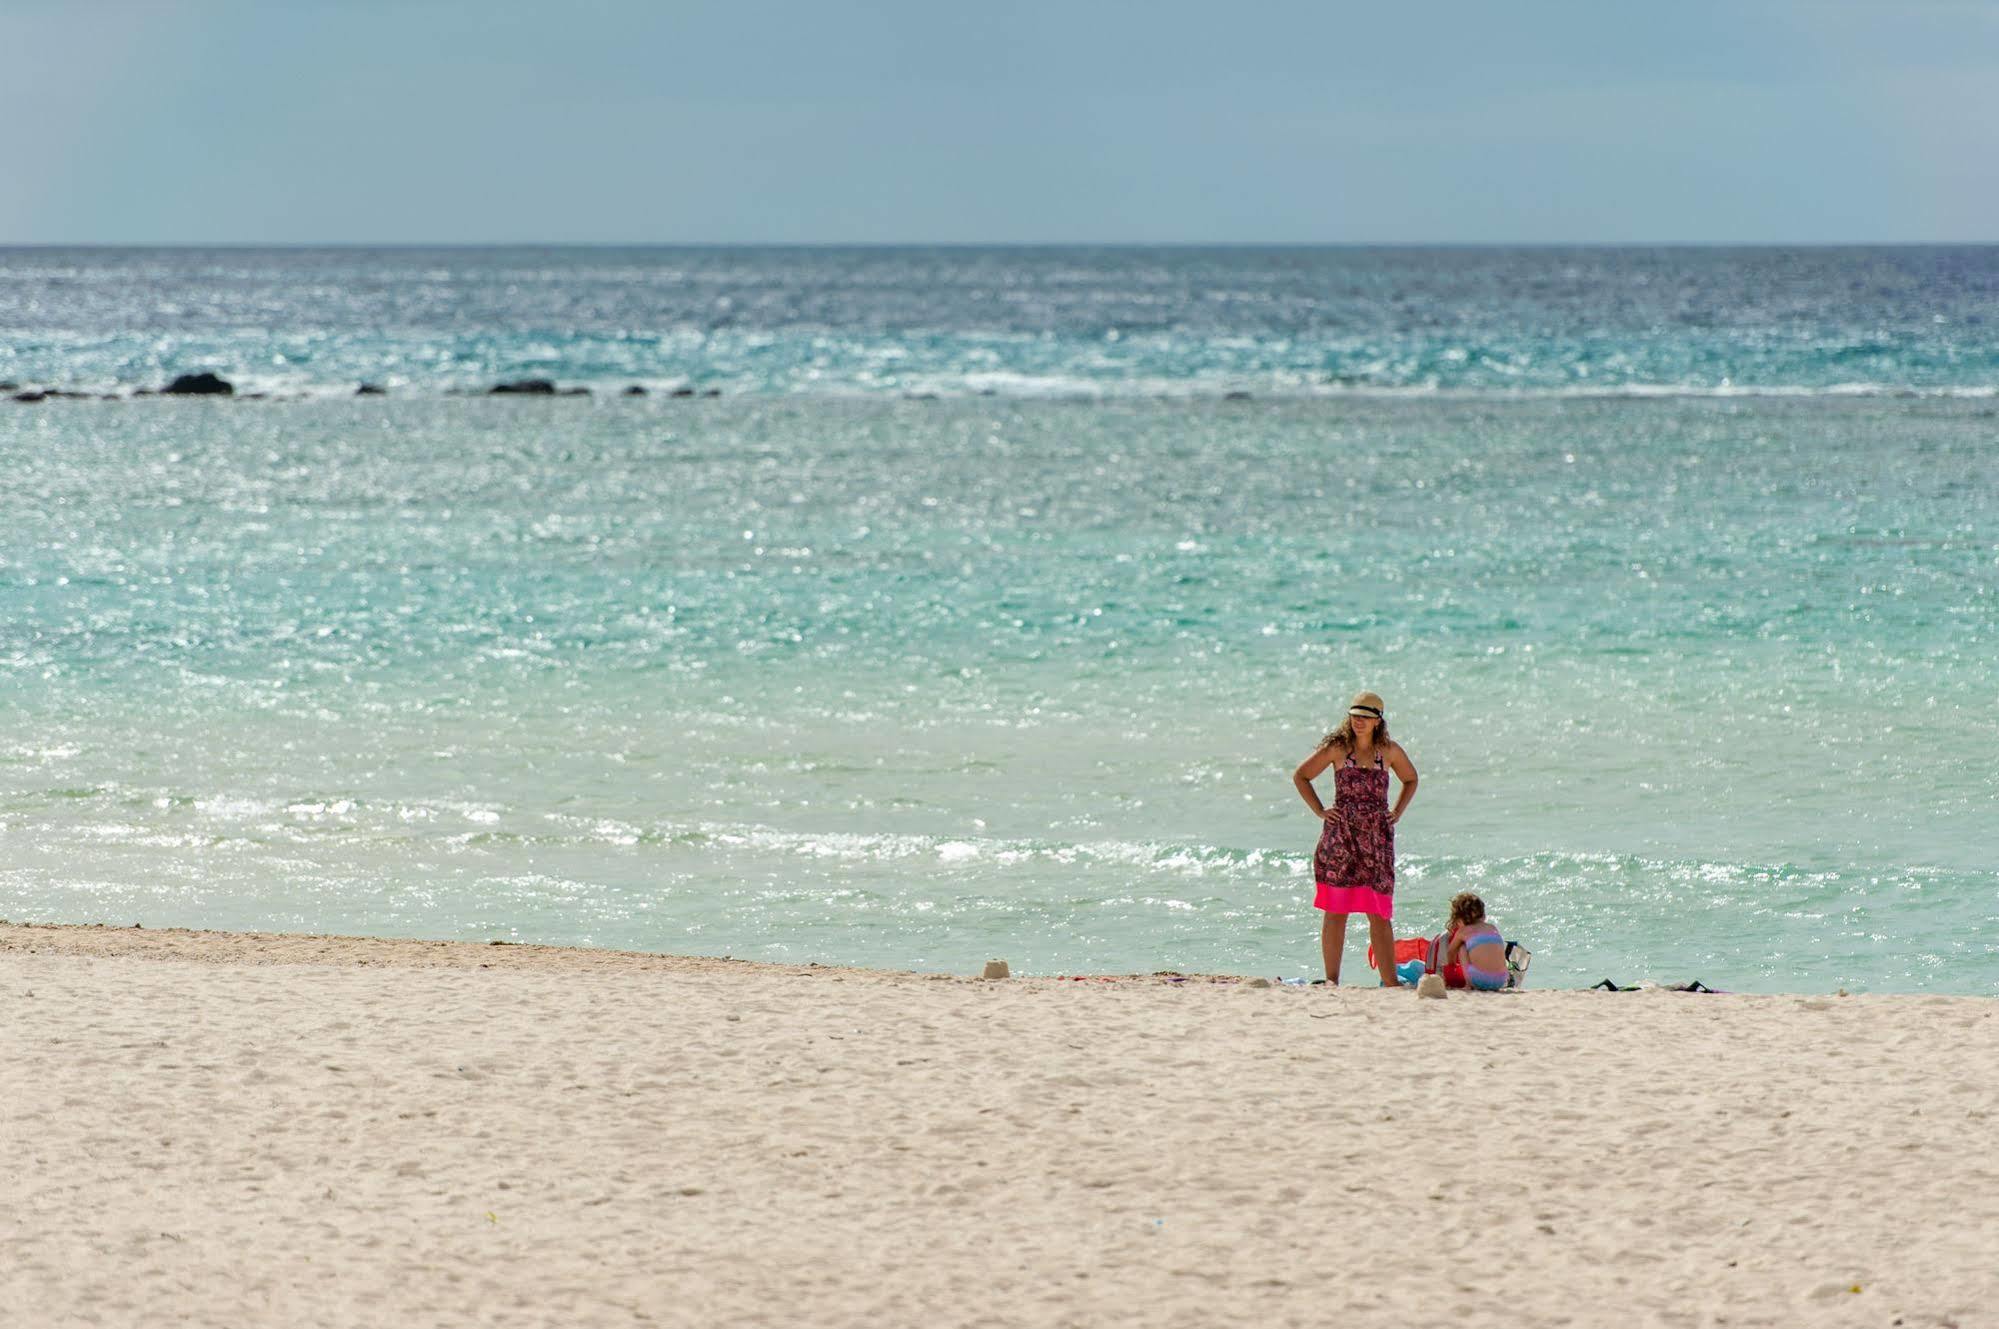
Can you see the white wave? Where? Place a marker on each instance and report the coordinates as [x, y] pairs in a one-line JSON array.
[[1021, 385], [961, 852], [1663, 391]]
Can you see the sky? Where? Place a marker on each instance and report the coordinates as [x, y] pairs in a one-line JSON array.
[[1045, 121]]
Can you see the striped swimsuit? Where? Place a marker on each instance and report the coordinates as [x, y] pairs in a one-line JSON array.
[[1484, 980]]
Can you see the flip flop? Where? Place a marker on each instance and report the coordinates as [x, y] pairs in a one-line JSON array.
[[1607, 986]]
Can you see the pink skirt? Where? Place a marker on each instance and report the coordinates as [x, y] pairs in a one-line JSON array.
[[1354, 900]]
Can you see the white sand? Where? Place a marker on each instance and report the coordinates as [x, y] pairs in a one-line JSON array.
[[207, 1129]]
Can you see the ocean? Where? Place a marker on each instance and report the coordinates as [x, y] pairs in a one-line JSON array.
[[987, 606]]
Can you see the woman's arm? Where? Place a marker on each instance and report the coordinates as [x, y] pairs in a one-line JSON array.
[[1309, 770], [1405, 771]]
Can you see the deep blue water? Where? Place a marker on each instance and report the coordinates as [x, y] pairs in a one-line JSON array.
[[1054, 321]]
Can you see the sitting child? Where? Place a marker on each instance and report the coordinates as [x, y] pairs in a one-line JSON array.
[[1472, 955]]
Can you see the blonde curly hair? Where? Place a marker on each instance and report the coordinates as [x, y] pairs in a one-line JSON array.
[[1344, 735]]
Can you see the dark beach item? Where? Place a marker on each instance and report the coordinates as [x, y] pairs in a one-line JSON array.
[[1695, 986], [1607, 986], [1518, 961], [200, 385], [635, 390], [371, 390], [31, 396], [523, 387]]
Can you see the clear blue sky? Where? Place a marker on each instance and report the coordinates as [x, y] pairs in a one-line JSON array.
[[299, 121]]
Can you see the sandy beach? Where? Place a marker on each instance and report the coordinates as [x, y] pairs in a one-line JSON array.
[[232, 1130]]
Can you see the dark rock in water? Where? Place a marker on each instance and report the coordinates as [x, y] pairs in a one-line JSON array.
[[371, 390], [200, 385], [57, 394], [1235, 396], [525, 387], [681, 392], [31, 396], [144, 392], [712, 392], [635, 391], [574, 392]]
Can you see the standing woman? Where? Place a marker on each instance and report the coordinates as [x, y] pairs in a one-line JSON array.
[[1355, 864]]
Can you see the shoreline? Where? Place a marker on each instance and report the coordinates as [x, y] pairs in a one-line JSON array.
[[211, 946], [260, 1129], [214, 946], [225, 947]]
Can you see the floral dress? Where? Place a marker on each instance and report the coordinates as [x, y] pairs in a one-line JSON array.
[[1354, 868]]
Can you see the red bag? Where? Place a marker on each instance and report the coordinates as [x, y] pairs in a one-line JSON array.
[[1406, 949]]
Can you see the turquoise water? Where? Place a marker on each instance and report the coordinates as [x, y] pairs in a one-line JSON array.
[[1700, 684]]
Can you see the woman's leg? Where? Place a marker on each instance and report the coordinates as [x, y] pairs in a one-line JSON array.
[[1333, 940], [1382, 934]]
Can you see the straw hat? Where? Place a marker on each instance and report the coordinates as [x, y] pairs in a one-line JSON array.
[[1366, 703]]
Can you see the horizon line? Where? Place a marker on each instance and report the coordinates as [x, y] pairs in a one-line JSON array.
[[997, 244]]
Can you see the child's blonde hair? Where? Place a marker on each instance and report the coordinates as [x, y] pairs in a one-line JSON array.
[[1467, 908]]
